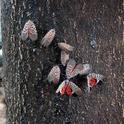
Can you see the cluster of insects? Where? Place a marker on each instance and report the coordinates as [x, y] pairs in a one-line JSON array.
[[72, 69]]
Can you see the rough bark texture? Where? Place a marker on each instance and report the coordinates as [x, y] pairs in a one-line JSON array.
[[30, 100]]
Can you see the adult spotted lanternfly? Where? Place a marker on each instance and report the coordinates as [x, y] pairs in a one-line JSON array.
[[74, 69], [30, 31], [69, 88], [54, 75], [93, 79], [48, 38], [65, 47]]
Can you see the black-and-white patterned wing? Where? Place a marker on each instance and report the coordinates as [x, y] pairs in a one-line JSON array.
[[99, 78]]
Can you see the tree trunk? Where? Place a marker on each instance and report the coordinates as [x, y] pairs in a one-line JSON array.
[[29, 99]]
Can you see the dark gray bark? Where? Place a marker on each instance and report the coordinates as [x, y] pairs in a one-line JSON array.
[[29, 99]]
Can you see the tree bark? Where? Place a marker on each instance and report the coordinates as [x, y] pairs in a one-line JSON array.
[[29, 99]]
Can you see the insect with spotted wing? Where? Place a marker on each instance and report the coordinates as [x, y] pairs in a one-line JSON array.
[[93, 79], [65, 52], [65, 47], [69, 88], [54, 75], [48, 38], [30, 31], [74, 69]]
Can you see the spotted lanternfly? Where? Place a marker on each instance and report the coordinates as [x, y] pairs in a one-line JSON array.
[[93, 79], [69, 88], [73, 69], [65, 47], [54, 75], [64, 88], [30, 31], [48, 38], [64, 57]]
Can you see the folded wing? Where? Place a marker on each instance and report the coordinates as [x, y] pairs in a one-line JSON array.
[[48, 38], [65, 47], [74, 69], [54, 75], [75, 88], [30, 31], [70, 68], [24, 33]]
